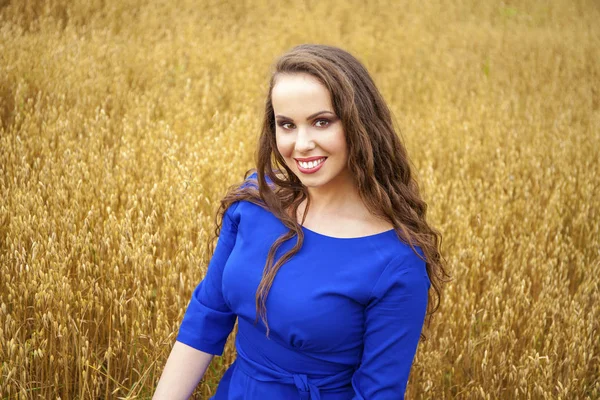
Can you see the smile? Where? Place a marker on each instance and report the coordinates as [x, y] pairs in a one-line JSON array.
[[310, 166]]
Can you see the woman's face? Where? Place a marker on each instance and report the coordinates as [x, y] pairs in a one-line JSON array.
[[310, 136]]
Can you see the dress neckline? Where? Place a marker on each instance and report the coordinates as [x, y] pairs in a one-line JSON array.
[[375, 235]]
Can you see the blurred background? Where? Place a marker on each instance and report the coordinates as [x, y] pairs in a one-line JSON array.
[[123, 122]]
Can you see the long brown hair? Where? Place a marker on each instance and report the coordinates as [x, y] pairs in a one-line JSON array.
[[376, 159]]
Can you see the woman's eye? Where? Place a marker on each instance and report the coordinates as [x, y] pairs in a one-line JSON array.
[[320, 123], [286, 125]]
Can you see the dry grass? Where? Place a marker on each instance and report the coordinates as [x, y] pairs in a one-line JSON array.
[[123, 122]]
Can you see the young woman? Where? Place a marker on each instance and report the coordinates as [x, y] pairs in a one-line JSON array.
[[324, 255]]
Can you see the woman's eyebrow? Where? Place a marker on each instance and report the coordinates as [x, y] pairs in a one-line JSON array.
[[310, 116]]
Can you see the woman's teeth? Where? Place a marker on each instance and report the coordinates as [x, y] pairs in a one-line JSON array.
[[311, 164]]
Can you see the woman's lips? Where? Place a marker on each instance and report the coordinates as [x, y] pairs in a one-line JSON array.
[[310, 170]]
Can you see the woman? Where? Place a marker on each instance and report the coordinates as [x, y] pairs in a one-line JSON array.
[[331, 243]]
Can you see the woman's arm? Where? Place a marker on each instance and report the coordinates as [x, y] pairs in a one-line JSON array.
[[206, 324], [393, 321], [184, 369]]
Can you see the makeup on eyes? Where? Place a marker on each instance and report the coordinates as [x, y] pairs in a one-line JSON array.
[[310, 117], [281, 123], [283, 120]]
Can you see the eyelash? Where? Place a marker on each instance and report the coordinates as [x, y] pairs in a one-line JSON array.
[[282, 123]]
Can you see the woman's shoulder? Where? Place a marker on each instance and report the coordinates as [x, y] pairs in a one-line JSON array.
[[251, 179], [409, 261], [243, 206], [251, 182]]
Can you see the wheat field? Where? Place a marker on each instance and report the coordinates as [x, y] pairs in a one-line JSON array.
[[123, 122]]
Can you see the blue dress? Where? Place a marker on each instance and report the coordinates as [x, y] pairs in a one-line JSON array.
[[345, 314]]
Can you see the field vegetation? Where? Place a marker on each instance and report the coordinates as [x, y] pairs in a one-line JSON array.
[[123, 122]]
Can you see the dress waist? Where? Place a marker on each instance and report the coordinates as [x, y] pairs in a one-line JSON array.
[[308, 388]]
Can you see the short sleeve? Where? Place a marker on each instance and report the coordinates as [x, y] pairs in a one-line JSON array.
[[208, 321], [394, 319]]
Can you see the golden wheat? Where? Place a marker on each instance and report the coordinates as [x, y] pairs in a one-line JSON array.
[[123, 123]]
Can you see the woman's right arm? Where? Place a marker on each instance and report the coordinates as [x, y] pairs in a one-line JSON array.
[[207, 322], [184, 369]]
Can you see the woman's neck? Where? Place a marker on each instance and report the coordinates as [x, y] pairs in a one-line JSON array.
[[336, 198]]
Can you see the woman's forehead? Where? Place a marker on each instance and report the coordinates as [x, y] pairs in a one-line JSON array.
[[300, 94]]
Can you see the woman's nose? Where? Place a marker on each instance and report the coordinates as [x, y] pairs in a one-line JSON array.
[[303, 140]]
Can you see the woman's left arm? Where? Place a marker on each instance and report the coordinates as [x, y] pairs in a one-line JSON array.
[[394, 319]]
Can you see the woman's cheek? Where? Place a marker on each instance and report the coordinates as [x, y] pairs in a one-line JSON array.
[[285, 147]]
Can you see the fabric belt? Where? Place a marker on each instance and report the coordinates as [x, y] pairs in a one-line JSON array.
[[308, 389]]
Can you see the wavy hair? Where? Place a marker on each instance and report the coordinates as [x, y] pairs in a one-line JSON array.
[[377, 160]]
